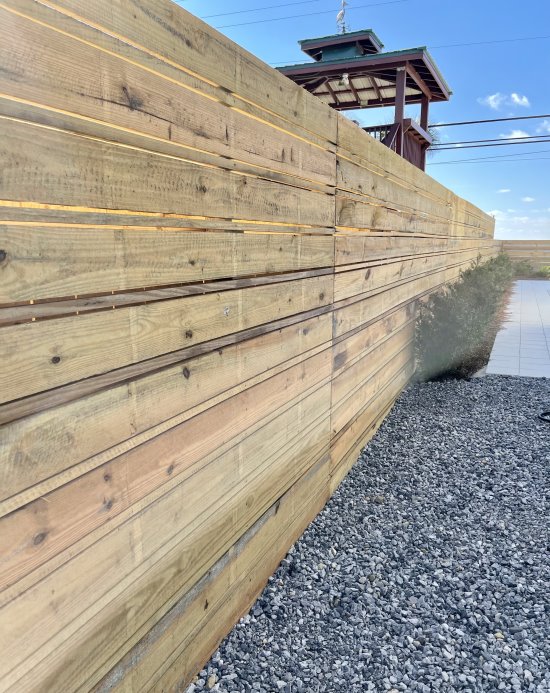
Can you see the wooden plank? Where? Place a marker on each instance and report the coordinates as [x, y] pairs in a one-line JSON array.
[[351, 316], [125, 98], [45, 262], [381, 372], [64, 307], [349, 350], [100, 498], [347, 448], [172, 39], [122, 584], [46, 355], [51, 166], [355, 248], [366, 183], [169, 656], [39, 454], [346, 383], [354, 212], [366, 279], [42, 401], [374, 156], [28, 213]]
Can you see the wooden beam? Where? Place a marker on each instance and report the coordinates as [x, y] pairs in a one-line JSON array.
[[400, 106], [332, 93], [376, 88], [424, 112], [354, 91], [421, 84]]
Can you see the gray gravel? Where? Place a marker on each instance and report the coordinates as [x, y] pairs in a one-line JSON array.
[[428, 569]]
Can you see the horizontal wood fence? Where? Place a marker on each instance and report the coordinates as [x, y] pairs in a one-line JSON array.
[[536, 253], [207, 283]]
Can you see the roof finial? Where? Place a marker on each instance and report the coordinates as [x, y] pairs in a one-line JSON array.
[[341, 18]]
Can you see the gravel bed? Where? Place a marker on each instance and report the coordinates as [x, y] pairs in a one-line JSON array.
[[428, 569]]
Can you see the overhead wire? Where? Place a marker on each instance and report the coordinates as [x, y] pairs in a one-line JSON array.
[[488, 160], [259, 9], [461, 45], [506, 157], [522, 138], [489, 120], [500, 144], [307, 14]]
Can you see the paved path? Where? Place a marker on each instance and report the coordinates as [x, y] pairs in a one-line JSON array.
[[522, 346]]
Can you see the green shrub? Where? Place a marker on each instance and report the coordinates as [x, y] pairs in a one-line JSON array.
[[454, 325], [523, 268], [543, 272]]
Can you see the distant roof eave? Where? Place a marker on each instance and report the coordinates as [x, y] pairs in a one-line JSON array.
[[305, 43], [419, 53]]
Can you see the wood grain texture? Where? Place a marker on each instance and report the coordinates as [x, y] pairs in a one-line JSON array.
[[46, 262], [208, 287], [47, 356]]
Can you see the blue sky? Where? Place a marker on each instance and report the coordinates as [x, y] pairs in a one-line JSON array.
[[492, 80]]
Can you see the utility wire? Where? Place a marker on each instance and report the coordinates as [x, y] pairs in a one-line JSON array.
[[454, 45], [307, 14], [508, 157], [489, 161], [491, 120], [499, 139], [259, 9], [501, 144], [485, 43]]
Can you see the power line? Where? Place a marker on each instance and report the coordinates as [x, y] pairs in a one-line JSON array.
[[499, 139], [509, 157], [260, 9], [485, 43], [489, 161], [501, 144], [490, 120], [307, 14], [454, 45]]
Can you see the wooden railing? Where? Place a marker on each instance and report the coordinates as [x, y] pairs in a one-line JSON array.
[[208, 282], [407, 138]]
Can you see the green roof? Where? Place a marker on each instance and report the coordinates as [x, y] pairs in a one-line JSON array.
[[374, 57], [351, 34]]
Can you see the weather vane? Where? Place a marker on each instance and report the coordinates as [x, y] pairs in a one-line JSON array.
[[341, 18]]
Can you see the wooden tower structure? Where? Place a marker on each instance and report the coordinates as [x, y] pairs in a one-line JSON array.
[[350, 71]]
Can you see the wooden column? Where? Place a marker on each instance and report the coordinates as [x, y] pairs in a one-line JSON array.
[[424, 110], [400, 106]]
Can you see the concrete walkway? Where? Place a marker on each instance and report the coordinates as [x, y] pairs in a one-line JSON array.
[[522, 346]]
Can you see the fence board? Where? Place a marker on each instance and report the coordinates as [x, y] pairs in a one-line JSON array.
[[208, 286]]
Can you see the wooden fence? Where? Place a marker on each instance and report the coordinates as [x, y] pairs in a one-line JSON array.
[[536, 253], [207, 285]]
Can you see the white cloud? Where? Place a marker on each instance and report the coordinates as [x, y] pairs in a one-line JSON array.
[[494, 101], [527, 199], [511, 225], [544, 127], [516, 135], [520, 100], [513, 211], [504, 190], [497, 100]]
